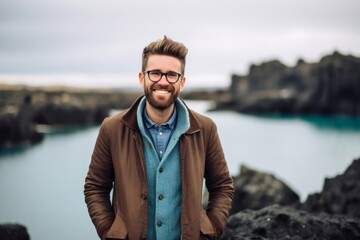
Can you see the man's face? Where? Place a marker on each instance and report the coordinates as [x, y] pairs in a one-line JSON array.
[[162, 94]]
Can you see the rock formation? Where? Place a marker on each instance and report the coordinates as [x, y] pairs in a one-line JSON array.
[[16, 112], [13, 232], [329, 87], [332, 214], [255, 190], [22, 108], [286, 223], [340, 195]]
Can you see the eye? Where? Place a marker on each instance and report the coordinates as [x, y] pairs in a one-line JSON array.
[[172, 74], [155, 73]]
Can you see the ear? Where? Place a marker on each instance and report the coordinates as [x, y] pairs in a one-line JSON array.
[[182, 83], [141, 78]]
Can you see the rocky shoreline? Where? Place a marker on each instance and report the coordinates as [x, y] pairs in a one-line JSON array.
[[330, 87], [265, 208], [23, 109], [26, 111]]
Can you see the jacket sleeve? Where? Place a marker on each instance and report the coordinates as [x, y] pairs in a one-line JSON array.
[[218, 183], [99, 183]]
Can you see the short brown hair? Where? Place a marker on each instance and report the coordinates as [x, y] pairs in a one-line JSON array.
[[165, 46]]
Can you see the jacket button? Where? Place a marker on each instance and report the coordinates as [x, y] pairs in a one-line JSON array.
[[161, 170], [143, 196], [159, 223], [161, 197]]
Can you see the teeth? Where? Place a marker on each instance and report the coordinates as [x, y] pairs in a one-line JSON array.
[[161, 91]]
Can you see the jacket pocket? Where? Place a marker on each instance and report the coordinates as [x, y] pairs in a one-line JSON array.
[[206, 226], [118, 229]]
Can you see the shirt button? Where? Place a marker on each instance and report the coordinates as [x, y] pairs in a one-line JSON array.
[[159, 223], [161, 197], [161, 170], [160, 133]]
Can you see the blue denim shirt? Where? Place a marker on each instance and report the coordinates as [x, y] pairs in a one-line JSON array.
[[160, 134]]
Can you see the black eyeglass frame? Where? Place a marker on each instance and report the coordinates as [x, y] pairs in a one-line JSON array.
[[163, 74]]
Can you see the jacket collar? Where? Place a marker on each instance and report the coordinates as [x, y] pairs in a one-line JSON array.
[[130, 118]]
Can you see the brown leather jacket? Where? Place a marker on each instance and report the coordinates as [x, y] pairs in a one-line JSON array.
[[118, 158]]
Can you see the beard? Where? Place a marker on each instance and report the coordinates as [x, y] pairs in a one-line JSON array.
[[161, 102]]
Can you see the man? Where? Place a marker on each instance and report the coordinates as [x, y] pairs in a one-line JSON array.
[[154, 156]]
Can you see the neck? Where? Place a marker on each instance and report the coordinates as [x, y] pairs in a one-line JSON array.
[[159, 116]]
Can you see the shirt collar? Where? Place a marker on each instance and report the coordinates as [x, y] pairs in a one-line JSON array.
[[170, 123]]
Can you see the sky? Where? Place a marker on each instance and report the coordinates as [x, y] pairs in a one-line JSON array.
[[99, 43]]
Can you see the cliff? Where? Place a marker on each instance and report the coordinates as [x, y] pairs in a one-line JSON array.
[[328, 87], [23, 109]]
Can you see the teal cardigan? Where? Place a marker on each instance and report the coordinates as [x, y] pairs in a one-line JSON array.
[[163, 178]]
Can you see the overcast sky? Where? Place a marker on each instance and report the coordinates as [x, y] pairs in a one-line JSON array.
[[106, 37]]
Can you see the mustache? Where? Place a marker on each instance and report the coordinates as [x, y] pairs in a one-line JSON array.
[[162, 87]]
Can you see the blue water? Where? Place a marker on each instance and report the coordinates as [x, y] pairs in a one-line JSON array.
[[41, 186]]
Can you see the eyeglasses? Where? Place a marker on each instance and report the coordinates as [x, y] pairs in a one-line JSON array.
[[156, 75]]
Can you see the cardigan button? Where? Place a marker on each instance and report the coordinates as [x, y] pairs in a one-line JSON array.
[[159, 223], [161, 197], [161, 170]]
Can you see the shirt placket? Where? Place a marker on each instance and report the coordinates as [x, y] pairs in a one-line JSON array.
[[160, 142]]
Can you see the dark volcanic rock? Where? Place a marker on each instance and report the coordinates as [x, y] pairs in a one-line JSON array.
[[16, 130], [329, 87], [16, 126], [286, 223], [13, 232], [21, 108], [53, 114], [332, 214], [255, 190], [340, 195]]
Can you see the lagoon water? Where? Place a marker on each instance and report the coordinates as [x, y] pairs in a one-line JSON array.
[[42, 186]]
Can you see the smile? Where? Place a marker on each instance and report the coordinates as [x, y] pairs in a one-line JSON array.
[[162, 91]]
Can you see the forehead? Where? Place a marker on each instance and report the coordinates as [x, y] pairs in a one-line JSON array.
[[163, 62]]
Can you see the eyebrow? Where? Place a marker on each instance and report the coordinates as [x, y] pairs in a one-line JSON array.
[[162, 71]]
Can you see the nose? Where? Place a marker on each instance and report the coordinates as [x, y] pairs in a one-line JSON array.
[[163, 80]]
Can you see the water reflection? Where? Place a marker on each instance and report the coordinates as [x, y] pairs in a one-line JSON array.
[[338, 123]]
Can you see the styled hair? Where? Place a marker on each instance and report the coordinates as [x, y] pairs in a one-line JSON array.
[[165, 46]]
